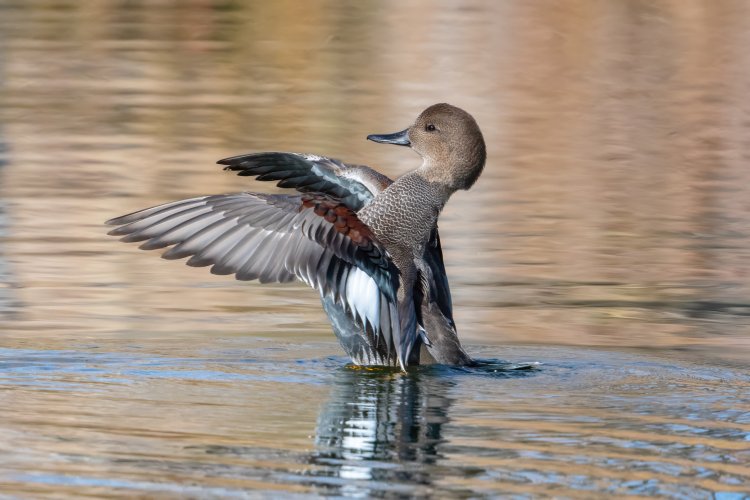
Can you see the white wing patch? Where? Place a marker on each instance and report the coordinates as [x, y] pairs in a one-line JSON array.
[[363, 298]]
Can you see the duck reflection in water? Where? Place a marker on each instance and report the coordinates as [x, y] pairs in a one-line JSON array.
[[376, 418]]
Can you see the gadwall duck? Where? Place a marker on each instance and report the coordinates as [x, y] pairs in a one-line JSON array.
[[367, 244]]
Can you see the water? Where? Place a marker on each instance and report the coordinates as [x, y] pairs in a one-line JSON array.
[[247, 416], [601, 264]]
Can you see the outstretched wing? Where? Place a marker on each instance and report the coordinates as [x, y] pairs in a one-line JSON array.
[[354, 185], [277, 238]]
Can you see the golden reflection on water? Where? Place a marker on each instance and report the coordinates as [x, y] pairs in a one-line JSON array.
[[614, 207], [614, 212]]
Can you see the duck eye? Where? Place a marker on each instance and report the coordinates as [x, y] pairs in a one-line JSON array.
[[430, 128]]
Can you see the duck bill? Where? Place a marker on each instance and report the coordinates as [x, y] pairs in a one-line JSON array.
[[399, 138]]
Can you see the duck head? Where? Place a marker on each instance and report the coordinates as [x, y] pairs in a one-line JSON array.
[[450, 143]]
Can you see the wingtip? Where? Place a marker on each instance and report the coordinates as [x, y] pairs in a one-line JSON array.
[[401, 364], [232, 161], [229, 160], [239, 159], [403, 356], [115, 221]]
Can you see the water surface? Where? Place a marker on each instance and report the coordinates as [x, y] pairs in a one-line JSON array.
[[607, 240], [246, 417]]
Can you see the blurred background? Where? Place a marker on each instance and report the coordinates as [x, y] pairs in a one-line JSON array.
[[613, 213], [614, 209]]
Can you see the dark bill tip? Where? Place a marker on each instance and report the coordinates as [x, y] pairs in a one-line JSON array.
[[399, 138]]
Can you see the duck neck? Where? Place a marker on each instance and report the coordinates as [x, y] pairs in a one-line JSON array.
[[440, 176], [438, 181]]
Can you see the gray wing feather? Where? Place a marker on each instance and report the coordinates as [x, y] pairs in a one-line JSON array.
[[355, 185], [273, 238]]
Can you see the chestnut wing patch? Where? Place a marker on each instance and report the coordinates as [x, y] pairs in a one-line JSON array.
[[362, 244]]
